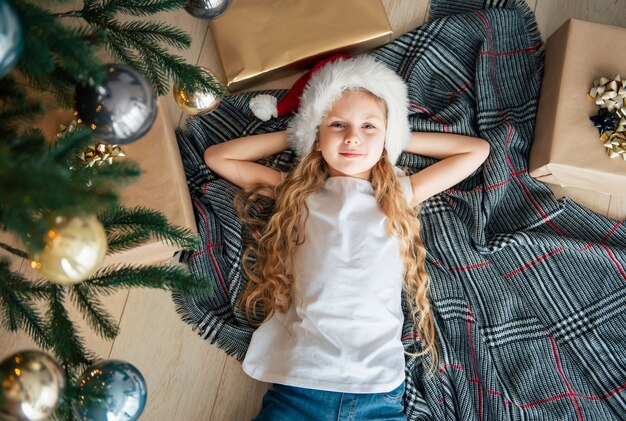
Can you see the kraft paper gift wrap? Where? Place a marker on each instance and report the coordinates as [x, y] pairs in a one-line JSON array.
[[162, 186], [567, 149], [258, 40]]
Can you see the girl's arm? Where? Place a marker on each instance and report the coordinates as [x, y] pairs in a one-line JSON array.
[[459, 156], [234, 160]]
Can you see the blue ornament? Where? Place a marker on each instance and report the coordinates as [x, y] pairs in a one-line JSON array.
[[10, 38], [111, 390]]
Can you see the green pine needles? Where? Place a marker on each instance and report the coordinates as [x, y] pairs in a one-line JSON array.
[[40, 176]]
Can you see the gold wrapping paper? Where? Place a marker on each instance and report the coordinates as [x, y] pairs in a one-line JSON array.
[[257, 41], [566, 150]]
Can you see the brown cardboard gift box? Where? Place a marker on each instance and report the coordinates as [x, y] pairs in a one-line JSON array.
[[256, 40], [162, 185], [567, 149]]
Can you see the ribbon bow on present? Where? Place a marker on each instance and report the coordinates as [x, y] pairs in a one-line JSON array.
[[100, 153], [610, 96]]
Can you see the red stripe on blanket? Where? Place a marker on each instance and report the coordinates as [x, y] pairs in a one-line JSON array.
[[505, 119], [613, 229], [512, 52], [533, 262], [436, 118], [570, 391], [469, 267], [210, 249], [462, 89], [456, 366], [614, 260], [474, 366]]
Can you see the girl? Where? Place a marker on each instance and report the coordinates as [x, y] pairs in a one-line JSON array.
[[342, 244]]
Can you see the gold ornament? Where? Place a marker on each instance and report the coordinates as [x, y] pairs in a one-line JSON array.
[[74, 248], [196, 103], [31, 386], [100, 153]]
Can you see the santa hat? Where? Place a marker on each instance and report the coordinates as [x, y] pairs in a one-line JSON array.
[[315, 92]]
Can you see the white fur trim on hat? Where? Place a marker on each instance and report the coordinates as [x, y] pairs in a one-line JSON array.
[[327, 85], [264, 106]]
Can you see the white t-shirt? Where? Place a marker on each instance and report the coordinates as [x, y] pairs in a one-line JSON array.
[[342, 331]]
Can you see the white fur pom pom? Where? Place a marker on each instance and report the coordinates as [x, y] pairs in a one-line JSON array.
[[264, 106]]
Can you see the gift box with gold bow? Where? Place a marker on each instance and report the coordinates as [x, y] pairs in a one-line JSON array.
[[568, 149]]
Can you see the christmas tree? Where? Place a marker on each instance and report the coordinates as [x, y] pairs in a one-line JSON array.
[[63, 210]]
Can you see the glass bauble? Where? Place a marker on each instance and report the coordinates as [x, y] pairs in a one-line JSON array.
[[196, 103], [75, 247], [31, 386], [207, 9], [121, 109], [10, 38], [110, 390]]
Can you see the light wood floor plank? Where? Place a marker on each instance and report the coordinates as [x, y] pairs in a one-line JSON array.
[[181, 370], [239, 396], [404, 15]]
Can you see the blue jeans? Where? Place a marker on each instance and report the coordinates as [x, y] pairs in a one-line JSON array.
[[289, 403]]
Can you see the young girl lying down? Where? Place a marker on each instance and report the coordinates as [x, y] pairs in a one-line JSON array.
[[342, 244]]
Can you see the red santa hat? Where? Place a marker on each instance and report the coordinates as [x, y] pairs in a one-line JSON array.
[[314, 93]]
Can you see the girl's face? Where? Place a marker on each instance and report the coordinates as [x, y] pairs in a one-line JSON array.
[[352, 136]]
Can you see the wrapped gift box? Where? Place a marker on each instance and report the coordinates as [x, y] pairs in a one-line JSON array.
[[256, 41], [567, 149], [162, 185]]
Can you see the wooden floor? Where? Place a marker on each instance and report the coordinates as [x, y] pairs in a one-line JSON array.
[[190, 380]]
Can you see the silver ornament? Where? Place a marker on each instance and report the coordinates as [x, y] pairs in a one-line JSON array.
[[31, 386], [207, 9], [121, 109]]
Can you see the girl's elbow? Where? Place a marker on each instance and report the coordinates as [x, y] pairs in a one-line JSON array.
[[484, 149], [210, 157]]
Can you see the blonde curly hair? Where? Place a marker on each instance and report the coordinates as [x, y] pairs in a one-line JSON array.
[[267, 259]]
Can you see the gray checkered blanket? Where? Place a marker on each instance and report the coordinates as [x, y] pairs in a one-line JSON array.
[[528, 291]]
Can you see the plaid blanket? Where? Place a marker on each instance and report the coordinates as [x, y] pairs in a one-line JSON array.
[[528, 292]]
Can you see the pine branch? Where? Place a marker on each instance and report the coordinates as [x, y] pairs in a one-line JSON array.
[[138, 44], [155, 32], [172, 278], [15, 107], [131, 224], [14, 251], [68, 347], [67, 145], [94, 313], [148, 7], [19, 311], [120, 241], [54, 56]]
